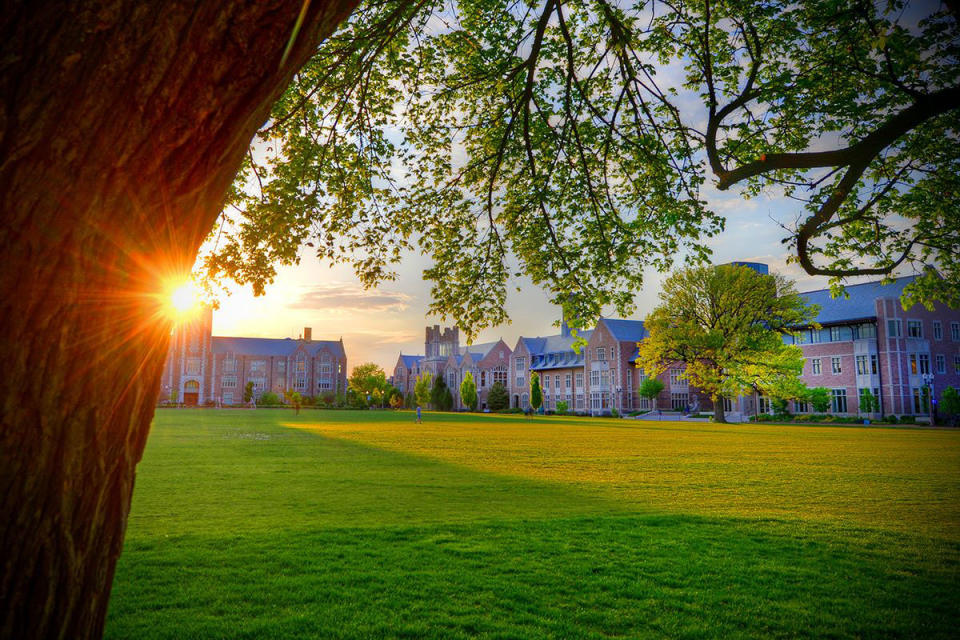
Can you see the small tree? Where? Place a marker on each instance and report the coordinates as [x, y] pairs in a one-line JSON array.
[[468, 391], [447, 400], [950, 405], [498, 398], [294, 399], [248, 393], [650, 389], [536, 396], [396, 400], [819, 399], [421, 389], [561, 408], [174, 395], [438, 393], [868, 402], [268, 397], [368, 380]]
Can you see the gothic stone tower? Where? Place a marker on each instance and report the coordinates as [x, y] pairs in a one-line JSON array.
[[186, 375]]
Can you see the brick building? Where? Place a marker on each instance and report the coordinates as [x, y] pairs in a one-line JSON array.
[[205, 369]]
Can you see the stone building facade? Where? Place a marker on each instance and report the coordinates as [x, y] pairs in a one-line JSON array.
[[203, 369]]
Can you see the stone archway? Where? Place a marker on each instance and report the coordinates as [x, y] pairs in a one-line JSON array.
[[191, 393]]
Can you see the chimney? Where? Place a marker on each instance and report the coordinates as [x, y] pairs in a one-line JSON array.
[[307, 333]]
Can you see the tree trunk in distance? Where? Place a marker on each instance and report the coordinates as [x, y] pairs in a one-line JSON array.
[[122, 125], [718, 413]]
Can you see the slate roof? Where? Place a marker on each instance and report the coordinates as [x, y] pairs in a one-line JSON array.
[[409, 361], [272, 346], [625, 330], [478, 351], [554, 352], [859, 305]]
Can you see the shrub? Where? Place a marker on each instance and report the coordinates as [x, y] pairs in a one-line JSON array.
[[614, 413], [561, 408], [498, 398], [908, 419], [269, 397]]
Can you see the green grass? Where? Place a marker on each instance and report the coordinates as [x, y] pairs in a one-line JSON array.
[[259, 524]]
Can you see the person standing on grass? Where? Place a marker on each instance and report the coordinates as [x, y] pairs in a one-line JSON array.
[[419, 417]]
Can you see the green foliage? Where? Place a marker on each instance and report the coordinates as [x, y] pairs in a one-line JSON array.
[[650, 388], [248, 393], [536, 394], [497, 397], [583, 133], [614, 413], [368, 380], [174, 395], [819, 399], [440, 396], [422, 388], [950, 404], [269, 397], [868, 402], [725, 324], [561, 408], [468, 391]]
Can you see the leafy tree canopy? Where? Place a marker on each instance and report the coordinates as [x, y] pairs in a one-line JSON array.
[[570, 141], [650, 388], [725, 324], [497, 397], [422, 388], [536, 395], [368, 379]]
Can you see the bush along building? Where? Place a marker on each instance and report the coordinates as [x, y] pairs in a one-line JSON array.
[[203, 369]]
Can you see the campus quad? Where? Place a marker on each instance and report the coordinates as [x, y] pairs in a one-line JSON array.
[[261, 523]]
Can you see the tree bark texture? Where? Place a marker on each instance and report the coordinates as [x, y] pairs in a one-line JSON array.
[[122, 125]]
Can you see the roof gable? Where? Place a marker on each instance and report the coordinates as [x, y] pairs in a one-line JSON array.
[[860, 303]]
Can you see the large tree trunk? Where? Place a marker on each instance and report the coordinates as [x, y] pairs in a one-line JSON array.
[[122, 125], [718, 413]]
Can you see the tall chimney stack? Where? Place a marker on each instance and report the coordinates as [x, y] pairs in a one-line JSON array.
[[307, 333]]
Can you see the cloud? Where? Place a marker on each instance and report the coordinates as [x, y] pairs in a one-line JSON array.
[[341, 296]]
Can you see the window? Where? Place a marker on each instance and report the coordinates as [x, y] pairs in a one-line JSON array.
[[595, 401], [937, 330], [815, 366], [800, 406], [914, 329], [567, 380], [919, 363], [300, 383], [644, 403], [874, 367], [524, 401], [556, 382], [229, 382], [230, 365], [838, 400], [227, 398], [629, 379], [546, 382], [679, 401], [604, 378], [258, 384], [301, 364], [893, 329], [924, 363], [578, 380], [955, 331], [324, 384], [867, 331], [601, 353], [763, 404], [193, 366], [956, 364], [641, 376], [921, 400], [913, 363], [727, 404], [862, 365], [501, 355], [834, 334], [803, 337], [814, 335], [941, 363], [835, 364], [258, 366], [579, 401], [675, 378], [594, 378]]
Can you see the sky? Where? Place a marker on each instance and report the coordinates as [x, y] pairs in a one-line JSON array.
[[376, 325]]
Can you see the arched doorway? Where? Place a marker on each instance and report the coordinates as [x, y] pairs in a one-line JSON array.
[[191, 393]]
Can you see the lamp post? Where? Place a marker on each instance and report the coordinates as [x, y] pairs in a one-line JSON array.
[[928, 381], [619, 400]]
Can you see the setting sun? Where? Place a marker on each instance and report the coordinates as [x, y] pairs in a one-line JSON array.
[[183, 300]]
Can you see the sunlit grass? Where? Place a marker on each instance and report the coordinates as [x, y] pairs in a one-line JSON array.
[[363, 524]]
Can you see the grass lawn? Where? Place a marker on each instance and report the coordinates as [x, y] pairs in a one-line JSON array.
[[260, 524]]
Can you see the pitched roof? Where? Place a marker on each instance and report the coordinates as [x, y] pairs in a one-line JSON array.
[[478, 351], [409, 361], [271, 346], [859, 304], [625, 330]]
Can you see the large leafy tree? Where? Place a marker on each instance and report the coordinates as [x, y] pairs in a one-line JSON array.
[[368, 380], [726, 325], [122, 124], [572, 139], [422, 389]]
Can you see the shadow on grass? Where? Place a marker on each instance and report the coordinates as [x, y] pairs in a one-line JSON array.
[[582, 577]]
